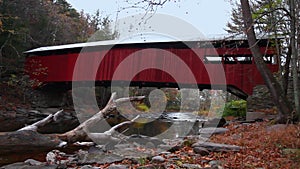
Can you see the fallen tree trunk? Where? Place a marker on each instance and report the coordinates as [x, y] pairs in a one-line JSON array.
[[12, 120], [28, 139]]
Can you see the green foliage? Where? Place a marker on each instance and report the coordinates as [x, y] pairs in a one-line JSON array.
[[265, 8], [142, 161], [269, 17], [12, 80], [173, 99], [236, 108], [66, 8], [178, 163], [102, 28], [19, 81], [142, 107]]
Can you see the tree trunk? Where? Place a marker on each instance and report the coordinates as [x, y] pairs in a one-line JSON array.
[[274, 87], [285, 80], [294, 57], [26, 141]]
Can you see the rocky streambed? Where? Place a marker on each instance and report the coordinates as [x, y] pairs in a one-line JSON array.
[[168, 134], [189, 152]]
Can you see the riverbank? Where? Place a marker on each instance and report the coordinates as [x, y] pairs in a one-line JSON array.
[[256, 145], [262, 145]]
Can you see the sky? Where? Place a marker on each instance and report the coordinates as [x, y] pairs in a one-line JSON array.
[[206, 17]]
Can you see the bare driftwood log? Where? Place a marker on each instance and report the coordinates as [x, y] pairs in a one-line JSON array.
[[111, 136], [79, 134], [43, 122], [28, 139]]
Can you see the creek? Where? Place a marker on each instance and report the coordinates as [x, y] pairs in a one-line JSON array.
[[163, 126]]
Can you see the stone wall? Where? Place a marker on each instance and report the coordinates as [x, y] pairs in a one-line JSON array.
[[261, 98]]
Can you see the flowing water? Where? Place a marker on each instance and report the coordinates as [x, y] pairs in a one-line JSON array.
[[169, 125]]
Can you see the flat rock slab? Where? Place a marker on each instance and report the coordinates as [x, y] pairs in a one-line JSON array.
[[253, 116], [98, 157], [132, 153], [200, 150], [114, 166], [212, 131], [24, 165], [215, 147], [276, 127], [192, 166]]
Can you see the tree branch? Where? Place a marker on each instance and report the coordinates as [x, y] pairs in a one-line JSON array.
[[43, 122]]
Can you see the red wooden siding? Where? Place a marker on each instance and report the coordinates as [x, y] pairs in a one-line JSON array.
[[130, 60]]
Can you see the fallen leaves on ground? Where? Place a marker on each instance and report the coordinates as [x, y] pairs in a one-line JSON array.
[[263, 146]]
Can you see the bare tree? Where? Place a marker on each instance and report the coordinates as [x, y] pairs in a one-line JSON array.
[[294, 56], [272, 18], [274, 87]]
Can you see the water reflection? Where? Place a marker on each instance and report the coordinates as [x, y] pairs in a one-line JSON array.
[[169, 125]]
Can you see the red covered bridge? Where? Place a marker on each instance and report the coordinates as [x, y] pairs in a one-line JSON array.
[[202, 64]]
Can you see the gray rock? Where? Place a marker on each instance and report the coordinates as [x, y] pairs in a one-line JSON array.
[[132, 153], [22, 111], [33, 162], [236, 136], [150, 145], [213, 130], [123, 146], [34, 112], [262, 99], [114, 166], [145, 140], [200, 150], [47, 98], [88, 167], [98, 157], [276, 127], [250, 116], [215, 164], [191, 166], [172, 145], [48, 110], [23, 165], [215, 122], [215, 147], [164, 153], [158, 159], [153, 166], [170, 148]]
